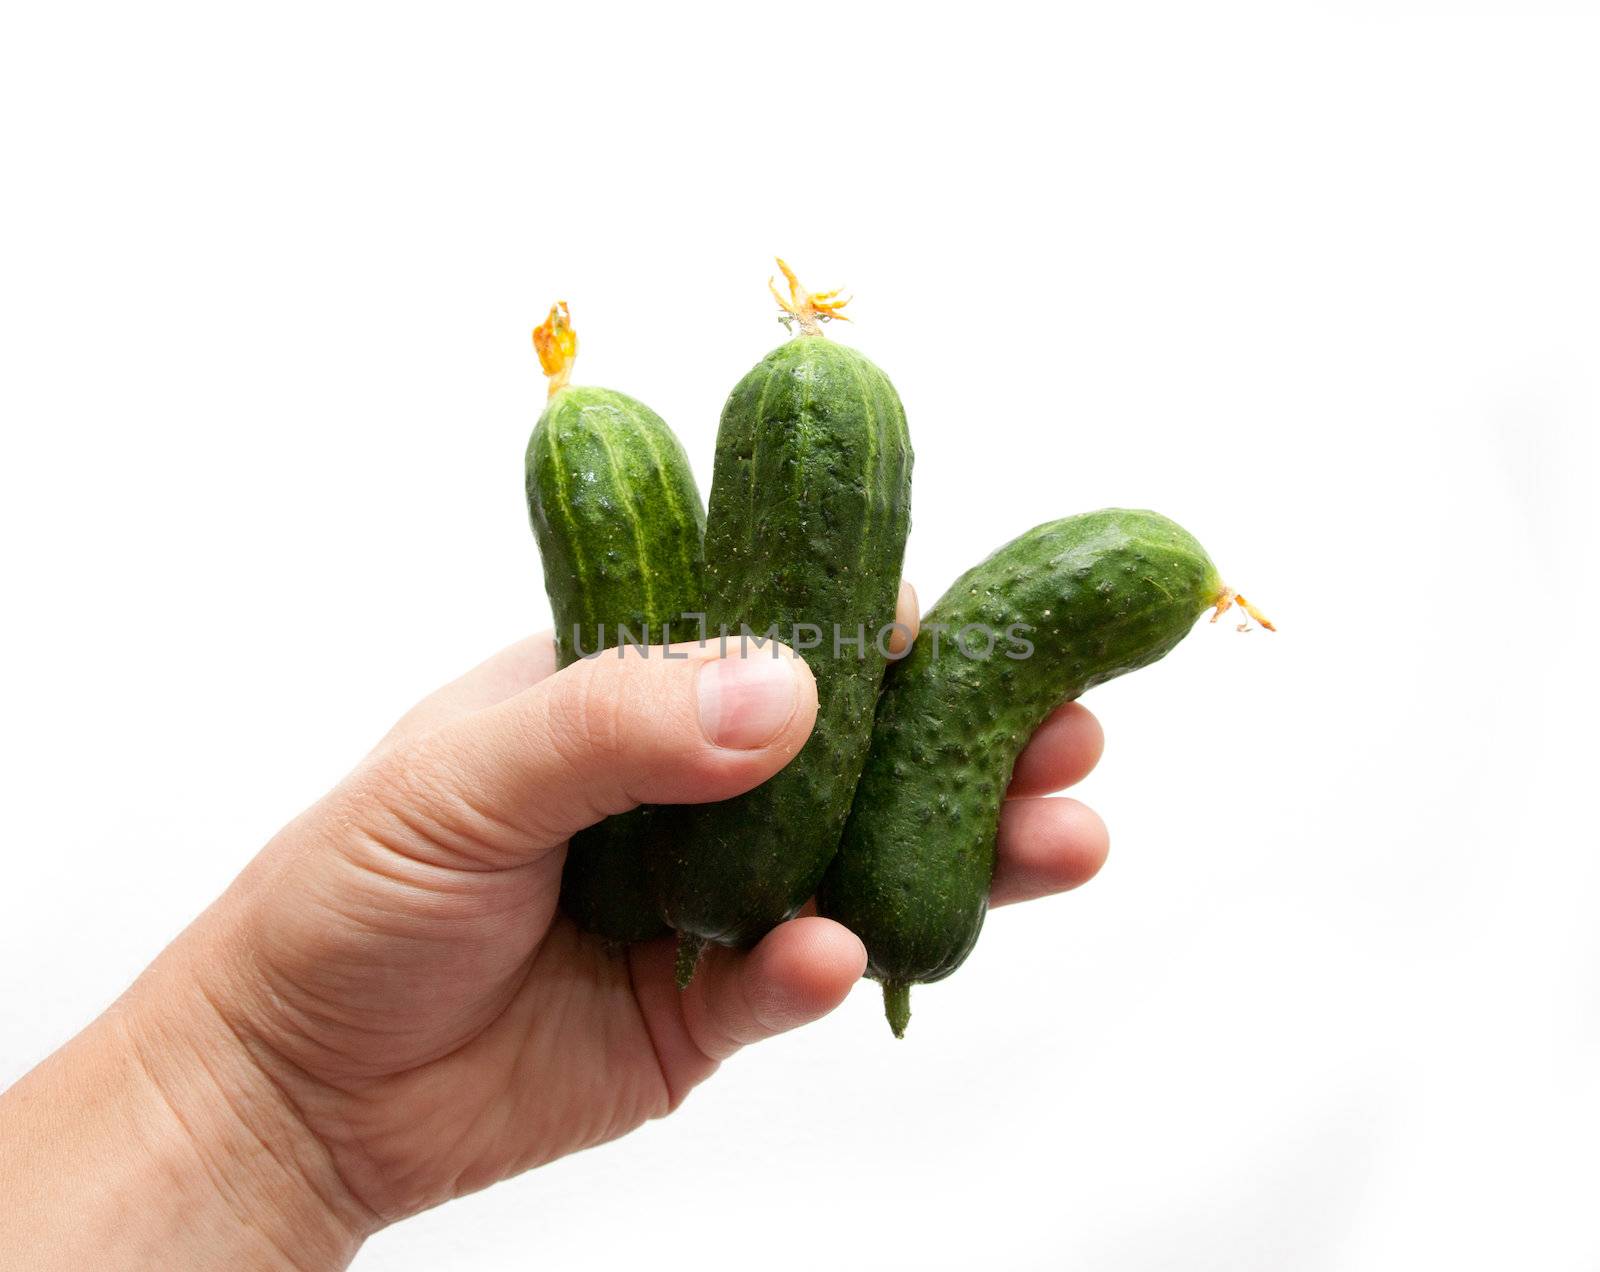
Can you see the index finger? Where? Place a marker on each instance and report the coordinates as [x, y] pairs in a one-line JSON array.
[[1063, 751]]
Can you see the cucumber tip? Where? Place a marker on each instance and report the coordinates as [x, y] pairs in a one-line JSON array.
[[897, 1006], [687, 958]]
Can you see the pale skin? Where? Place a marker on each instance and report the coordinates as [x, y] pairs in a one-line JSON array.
[[386, 1010]]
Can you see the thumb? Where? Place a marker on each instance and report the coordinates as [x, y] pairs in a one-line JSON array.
[[663, 725]]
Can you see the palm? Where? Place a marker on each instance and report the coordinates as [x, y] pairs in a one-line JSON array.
[[479, 1032], [565, 1063]]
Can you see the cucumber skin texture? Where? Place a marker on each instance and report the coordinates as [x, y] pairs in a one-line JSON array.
[[619, 525], [1105, 593], [810, 509]]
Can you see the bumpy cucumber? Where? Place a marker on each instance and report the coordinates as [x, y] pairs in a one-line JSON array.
[[810, 507], [619, 523], [1097, 596]]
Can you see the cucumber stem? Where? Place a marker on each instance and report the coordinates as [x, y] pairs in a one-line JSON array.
[[556, 343], [809, 309], [688, 958], [897, 1006], [1228, 597]]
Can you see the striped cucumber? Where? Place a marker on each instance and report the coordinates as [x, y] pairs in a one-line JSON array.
[[1073, 603], [810, 507], [619, 525]]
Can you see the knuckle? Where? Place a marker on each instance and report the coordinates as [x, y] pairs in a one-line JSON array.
[[586, 714], [415, 804]]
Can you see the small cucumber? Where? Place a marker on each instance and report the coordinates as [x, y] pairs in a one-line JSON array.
[[1066, 606], [810, 508], [619, 524]]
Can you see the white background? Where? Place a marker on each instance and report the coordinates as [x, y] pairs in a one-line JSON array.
[[1322, 284]]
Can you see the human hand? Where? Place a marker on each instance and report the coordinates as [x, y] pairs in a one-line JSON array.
[[391, 1005]]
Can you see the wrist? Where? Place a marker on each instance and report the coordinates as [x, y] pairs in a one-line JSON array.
[[154, 1139], [229, 1120]]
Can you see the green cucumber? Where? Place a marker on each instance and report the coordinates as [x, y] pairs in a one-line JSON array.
[[619, 525], [1070, 604], [810, 508]]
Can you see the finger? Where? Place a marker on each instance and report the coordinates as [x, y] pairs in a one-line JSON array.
[[1061, 752], [513, 669], [907, 620], [797, 973], [1046, 846], [499, 787]]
